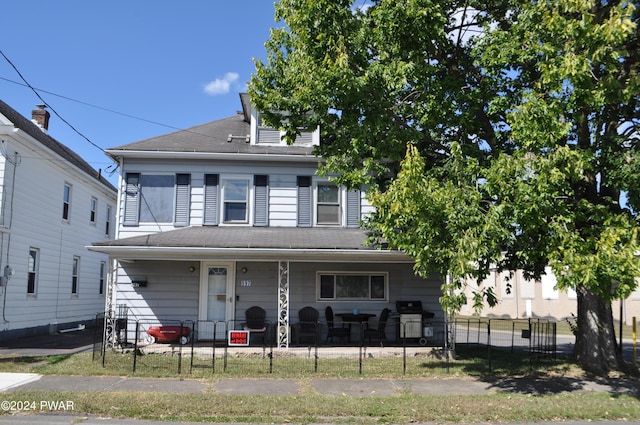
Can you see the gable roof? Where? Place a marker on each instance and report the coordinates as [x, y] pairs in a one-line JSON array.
[[49, 142], [213, 138], [302, 243]]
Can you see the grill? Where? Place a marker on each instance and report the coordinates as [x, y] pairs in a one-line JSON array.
[[413, 307], [411, 318]]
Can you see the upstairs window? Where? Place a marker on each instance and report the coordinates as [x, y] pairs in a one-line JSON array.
[[235, 199], [66, 201], [157, 198], [327, 203]]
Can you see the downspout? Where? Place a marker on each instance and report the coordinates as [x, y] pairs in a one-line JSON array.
[[8, 271]]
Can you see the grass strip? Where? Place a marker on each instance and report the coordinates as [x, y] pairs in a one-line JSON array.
[[314, 407]]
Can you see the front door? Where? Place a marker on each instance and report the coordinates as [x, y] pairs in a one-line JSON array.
[[216, 300]]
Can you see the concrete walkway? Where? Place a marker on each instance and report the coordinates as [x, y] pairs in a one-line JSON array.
[[327, 386]]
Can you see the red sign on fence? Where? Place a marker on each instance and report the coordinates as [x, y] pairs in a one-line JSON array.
[[239, 338]]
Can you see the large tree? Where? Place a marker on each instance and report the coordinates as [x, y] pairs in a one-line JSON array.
[[499, 133]]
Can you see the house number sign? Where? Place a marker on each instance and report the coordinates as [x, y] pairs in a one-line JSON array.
[[245, 283]]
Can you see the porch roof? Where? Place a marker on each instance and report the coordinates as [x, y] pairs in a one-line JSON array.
[[259, 243]]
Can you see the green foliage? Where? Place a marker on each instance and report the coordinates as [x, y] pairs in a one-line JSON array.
[[508, 128]]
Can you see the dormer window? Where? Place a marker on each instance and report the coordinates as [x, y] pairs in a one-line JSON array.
[[264, 135]]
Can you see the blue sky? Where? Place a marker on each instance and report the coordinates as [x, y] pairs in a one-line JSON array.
[[175, 64]]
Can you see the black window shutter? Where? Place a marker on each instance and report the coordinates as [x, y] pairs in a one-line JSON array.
[[183, 199], [131, 199], [305, 202], [261, 200], [211, 199]]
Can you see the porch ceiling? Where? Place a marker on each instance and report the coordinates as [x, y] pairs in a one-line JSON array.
[[247, 243]]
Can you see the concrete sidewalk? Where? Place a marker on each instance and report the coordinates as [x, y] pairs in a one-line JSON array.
[[327, 386]]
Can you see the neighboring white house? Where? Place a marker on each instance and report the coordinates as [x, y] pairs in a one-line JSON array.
[[222, 216], [52, 205]]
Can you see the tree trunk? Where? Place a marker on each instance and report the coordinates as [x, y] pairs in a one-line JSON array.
[[596, 348]]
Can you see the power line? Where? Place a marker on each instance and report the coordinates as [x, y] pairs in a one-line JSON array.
[[95, 106], [108, 110], [46, 104]]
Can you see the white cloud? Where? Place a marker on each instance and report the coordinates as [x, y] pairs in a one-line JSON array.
[[221, 85]]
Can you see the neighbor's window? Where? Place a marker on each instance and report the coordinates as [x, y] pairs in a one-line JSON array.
[[352, 286], [102, 277], [66, 201], [107, 225], [235, 195], [32, 278], [327, 203], [74, 275], [94, 210]]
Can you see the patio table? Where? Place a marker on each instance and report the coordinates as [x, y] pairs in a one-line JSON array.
[[351, 318]]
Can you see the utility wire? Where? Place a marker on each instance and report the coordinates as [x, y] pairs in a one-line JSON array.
[[95, 106], [46, 104], [109, 110]]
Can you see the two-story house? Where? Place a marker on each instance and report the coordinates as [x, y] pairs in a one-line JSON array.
[[52, 205], [222, 216]]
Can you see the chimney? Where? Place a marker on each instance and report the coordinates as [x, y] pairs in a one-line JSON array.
[[40, 117]]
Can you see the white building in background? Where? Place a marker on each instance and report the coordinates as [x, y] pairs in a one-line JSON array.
[[522, 298], [52, 205]]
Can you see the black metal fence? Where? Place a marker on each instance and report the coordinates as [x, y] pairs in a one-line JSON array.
[[209, 347], [536, 337]]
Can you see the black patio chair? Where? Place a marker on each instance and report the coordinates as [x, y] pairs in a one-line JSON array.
[[308, 325], [256, 322], [379, 332], [340, 332]]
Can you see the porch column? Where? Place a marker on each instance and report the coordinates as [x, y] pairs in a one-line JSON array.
[[283, 304], [109, 331]]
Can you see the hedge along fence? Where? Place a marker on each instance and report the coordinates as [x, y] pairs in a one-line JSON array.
[[202, 348]]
